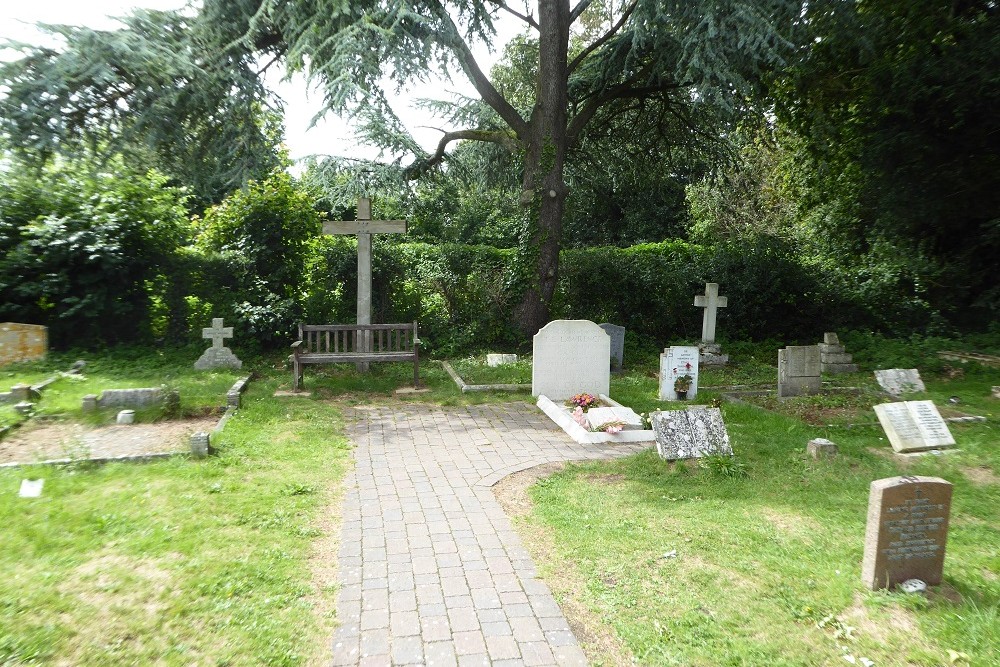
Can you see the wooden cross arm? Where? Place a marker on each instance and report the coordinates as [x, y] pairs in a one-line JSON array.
[[364, 227]]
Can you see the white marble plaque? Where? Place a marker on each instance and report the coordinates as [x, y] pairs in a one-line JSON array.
[[676, 361], [570, 357], [899, 381], [913, 426], [597, 417]]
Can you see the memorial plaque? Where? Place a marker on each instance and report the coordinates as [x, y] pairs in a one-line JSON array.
[[570, 357], [907, 531], [914, 426]]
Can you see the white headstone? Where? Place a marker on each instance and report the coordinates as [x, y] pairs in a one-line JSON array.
[[691, 433], [677, 361], [914, 426], [570, 357], [617, 335], [899, 381], [799, 370], [711, 302], [500, 359], [597, 417]]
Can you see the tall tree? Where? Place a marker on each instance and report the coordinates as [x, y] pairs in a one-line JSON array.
[[678, 51]]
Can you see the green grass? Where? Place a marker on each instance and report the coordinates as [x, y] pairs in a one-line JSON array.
[[767, 570], [474, 370], [182, 561]]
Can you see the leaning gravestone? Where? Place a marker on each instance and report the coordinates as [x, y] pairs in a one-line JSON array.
[[690, 434], [907, 531], [914, 426], [799, 370], [570, 357], [899, 381], [617, 335], [217, 356], [676, 361]]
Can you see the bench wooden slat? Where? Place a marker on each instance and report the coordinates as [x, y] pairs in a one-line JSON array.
[[355, 343]]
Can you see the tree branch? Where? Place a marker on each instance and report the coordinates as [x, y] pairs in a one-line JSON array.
[[524, 17], [604, 38], [621, 91], [420, 167], [580, 8]]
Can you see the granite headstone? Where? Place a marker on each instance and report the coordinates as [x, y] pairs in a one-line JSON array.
[[691, 433], [617, 335], [899, 381]]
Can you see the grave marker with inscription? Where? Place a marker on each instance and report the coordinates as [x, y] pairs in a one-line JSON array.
[[217, 356], [691, 433], [914, 426], [677, 361], [570, 357], [617, 335], [907, 531], [799, 370]]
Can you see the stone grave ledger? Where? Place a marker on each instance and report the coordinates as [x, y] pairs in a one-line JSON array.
[[22, 342], [799, 370], [691, 433], [907, 531], [899, 381], [630, 420], [834, 357], [677, 361], [570, 357], [914, 426], [617, 335]]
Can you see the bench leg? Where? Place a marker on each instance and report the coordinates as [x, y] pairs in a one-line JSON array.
[[296, 375], [416, 372]]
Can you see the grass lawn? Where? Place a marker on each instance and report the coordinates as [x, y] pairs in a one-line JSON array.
[[181, 561]]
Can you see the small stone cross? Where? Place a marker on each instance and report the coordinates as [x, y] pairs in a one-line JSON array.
[[217, 332], [710, 301]]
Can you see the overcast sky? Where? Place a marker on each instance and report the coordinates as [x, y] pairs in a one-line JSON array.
[[330, 136]]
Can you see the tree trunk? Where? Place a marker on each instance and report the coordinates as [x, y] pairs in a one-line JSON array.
[[544, 190]]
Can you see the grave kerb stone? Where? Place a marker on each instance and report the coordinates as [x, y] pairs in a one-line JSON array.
[[907, 531], [821, 448]]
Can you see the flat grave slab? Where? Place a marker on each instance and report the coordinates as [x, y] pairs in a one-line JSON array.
[[692, 433], [899, 381], [562, 416]]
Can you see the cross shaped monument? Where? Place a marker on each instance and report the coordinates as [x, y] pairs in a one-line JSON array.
[[710, 301], [217, 356], [364, 227]]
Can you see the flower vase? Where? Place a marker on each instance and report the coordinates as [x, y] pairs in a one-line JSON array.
[[682, 395]]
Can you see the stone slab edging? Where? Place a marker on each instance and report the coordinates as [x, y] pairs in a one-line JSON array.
[[466, 388], [581, 435], [609, 451]]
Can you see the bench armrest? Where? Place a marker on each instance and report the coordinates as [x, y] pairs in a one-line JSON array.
[[296, 345], [417, 341]]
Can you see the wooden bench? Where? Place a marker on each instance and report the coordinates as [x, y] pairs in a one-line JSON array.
[[346, 343]]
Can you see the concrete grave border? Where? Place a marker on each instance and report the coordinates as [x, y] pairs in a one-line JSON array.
[[466, 388]]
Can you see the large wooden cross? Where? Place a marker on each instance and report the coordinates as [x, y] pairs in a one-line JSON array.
[[364, 227]]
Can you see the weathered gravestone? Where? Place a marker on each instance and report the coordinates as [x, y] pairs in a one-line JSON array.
[[124, 398], [217, 356], [711, 352], [630, 420], [691, 433], [899, 381], [364, 227], [617, 335], [494, 360], [914, 426], [678, 361], [570, 357], [799, 370], [22, 342], [821, 448], [907, 531], [834, 357]]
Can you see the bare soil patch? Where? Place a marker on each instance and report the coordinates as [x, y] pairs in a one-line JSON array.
[[980, 475], [41, 441], [598, 639]]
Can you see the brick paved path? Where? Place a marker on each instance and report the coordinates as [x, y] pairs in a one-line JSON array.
[[431, 571]]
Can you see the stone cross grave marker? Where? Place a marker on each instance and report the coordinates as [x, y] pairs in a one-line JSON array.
[[570, 357], [691, 433], [364, 227], [799, 370], [906, 532], [678, 360], [617, 335], [711, 302], [914, 426], [899, 381], [217, 356]]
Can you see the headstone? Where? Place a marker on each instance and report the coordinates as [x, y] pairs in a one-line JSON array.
[[692, 433], [711, 352], [364, 227], [833, 357], [617, 335], [677, 361], [631, 421], [799, 370], [22, 342], [821, 448], [907, 531], [128, 398], [996, 391], [217, 356], [899, 381], [570, 357], [199, 444], [914, 426], [126, 417], [494, 360]]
